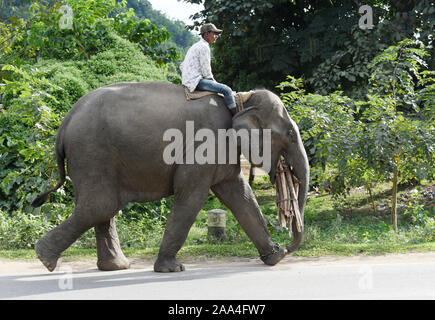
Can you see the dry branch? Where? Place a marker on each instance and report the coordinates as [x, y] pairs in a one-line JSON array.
[[287, 189]]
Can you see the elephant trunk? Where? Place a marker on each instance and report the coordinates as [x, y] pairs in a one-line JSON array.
[[298, 161], [298, 235]]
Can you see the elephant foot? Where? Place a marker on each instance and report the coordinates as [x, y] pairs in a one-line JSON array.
[[48, 259], [274, 256], [112, 264], [168, 265]]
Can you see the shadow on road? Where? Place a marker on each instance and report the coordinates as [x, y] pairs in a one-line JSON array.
[[25, 285]]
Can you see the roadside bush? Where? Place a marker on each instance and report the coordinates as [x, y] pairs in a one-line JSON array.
[[37, 97], [144, 232], [21, 230], [122, 62], [386, 137], [67, 76], [27, 136]]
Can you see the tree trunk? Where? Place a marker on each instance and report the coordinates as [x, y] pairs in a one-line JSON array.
[[372, 198], [394, 201]]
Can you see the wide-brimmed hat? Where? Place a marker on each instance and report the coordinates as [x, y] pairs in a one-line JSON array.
[[209, 27]]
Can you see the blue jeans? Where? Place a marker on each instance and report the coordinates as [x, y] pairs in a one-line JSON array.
[[210, 85]]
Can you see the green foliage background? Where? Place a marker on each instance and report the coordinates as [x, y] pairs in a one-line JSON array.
[[320, 41], [45, 70]]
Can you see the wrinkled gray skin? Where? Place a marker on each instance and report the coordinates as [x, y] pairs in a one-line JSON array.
[[113, 142]]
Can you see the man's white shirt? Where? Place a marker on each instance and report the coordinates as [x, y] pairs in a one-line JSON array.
[[196, 65]]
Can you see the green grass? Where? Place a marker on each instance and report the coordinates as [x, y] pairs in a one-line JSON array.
[[331, 228]]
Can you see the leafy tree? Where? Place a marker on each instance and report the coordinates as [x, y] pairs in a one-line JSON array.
[[329, 130], [352, 143], [26, 137], [409, 142], [36, 97], [181, 37], [150, 37], [43, 75], [263, 41], [41, 34]]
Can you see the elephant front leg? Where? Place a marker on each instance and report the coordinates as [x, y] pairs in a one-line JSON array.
[[188, 201], [237, 195]]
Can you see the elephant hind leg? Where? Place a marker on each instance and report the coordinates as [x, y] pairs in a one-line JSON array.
[[110, 255], [50, 247], [92, 209]]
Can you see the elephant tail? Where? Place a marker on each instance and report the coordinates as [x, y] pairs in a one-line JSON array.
[[60, 157]]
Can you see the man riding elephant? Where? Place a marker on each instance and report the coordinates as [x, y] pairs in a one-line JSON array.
[[196, 67]]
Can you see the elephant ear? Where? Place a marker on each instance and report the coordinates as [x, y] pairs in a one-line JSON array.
[[248, 118]]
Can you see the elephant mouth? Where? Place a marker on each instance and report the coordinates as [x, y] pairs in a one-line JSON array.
[[272, 176], [273, 167]]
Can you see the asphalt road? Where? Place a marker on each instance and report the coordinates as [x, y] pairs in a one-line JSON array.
[[408, 276]]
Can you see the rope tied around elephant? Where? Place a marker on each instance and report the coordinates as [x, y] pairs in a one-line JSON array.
[[239, 97], [287, 190]]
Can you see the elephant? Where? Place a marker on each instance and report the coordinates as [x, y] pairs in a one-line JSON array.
[[112, 142]]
